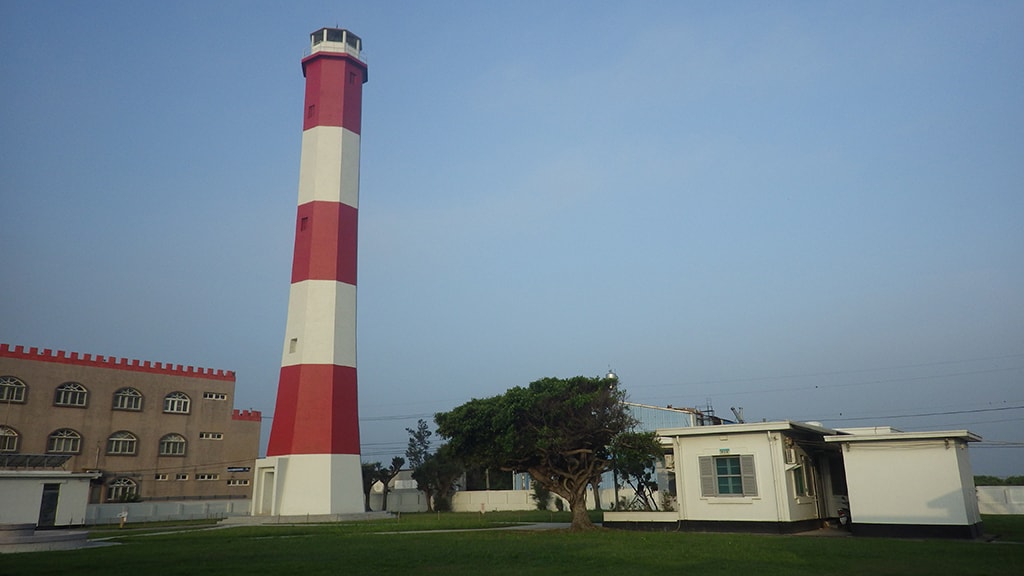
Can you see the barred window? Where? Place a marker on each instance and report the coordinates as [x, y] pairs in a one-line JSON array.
[[123, 443], [8, 439], [71, 394], [177, 403], [11, 389], [64, 441], [173, 445], [122, 490], [128, 399]]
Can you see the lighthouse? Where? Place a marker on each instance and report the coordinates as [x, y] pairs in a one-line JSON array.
[[312, 465]]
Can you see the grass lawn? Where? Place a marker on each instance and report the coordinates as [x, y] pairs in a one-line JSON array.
[[358, 548]]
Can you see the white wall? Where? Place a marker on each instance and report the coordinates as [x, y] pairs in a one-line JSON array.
[[1001, 499], [909, 482], [302, 484], [163, 511], [765, 507]]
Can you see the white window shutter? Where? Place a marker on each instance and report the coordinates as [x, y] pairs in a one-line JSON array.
[[749, 478], [707, 476]]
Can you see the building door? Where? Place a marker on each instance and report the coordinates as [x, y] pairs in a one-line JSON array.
[[267, 492], [48, 506]]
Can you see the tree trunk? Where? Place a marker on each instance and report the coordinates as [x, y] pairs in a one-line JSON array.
[[430, 499], [580, 517]]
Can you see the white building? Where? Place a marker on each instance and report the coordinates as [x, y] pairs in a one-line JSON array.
[[917, 483], [44, 498], [785, 477]]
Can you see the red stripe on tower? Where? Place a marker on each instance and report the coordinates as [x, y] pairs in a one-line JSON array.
[[325, 242]]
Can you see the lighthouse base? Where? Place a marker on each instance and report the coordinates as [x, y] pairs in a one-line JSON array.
[[308, 484]]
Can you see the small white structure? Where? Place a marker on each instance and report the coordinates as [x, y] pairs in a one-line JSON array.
[[910, 483], [44, 498]]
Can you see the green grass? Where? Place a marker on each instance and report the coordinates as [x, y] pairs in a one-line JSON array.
[[1005, 527], [111, 530], [353, 548]]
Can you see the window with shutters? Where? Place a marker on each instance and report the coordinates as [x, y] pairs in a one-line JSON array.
[[727, 476]]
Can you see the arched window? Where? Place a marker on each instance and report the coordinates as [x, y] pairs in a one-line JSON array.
[[128, 399], [8, 439], [172, 445], [177, 403], [71, 394], [64, 441], [11, 389], [123, 443], [122, 490]]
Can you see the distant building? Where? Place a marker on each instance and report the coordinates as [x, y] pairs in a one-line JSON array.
[[151, 431]]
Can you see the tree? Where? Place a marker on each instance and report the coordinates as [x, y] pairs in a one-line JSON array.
[[557, 430], [541, 496], [436, 477], [635, 454], [419, 444], [386, 475], [371, 472]]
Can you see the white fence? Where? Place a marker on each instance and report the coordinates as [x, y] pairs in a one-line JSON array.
[[163, 511], [1001, 499]]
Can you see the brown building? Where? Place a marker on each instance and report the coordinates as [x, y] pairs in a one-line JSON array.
[[155, 431]]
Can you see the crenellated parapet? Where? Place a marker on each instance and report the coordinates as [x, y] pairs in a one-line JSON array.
[[248, 415], [98, 361]]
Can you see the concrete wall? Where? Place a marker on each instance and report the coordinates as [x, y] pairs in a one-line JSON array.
[[163, 511], [1001, 499], [411, 500], [499, 501]]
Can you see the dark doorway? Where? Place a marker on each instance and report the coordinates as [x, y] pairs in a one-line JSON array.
[[48, 506]]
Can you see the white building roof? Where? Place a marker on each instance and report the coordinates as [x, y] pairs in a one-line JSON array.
[[780, 425], [965, 435]]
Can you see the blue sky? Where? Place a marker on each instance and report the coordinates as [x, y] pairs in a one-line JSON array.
[[810, 210]]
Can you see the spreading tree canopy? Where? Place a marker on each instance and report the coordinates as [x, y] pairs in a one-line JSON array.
[[558, 430]]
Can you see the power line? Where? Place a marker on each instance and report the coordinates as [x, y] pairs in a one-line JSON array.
[[948, 413]]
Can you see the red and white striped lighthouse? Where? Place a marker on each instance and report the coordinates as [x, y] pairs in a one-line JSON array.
[[312, 464]]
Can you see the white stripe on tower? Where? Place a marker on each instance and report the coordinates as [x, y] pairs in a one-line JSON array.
[[315, 432]]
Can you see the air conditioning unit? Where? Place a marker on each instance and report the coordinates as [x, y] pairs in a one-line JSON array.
[[790, 454]]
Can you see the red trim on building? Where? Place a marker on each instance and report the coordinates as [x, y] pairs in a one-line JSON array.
[[326, 242], [317, 411], [334, 90], [247, 415], [97, 361]]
